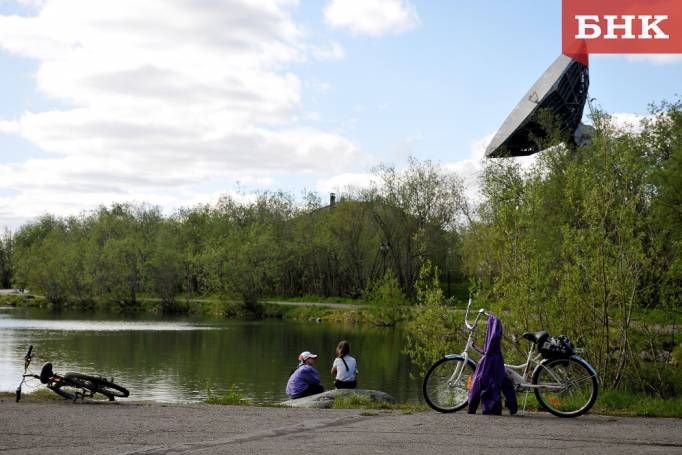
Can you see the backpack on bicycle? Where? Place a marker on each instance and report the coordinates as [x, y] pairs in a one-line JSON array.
[[559, 347]]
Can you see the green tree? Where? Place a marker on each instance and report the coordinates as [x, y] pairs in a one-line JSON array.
[[6, 252], [413, 210]]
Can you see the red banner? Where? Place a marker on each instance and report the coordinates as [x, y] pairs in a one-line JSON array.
[[621, 27]]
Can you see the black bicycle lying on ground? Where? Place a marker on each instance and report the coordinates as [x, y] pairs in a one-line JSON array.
[[72, 386]]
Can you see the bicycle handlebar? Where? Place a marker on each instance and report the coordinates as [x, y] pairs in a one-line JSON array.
[[469, 325], [466, 315]]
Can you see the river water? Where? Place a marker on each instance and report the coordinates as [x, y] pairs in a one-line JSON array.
[[181, 359]]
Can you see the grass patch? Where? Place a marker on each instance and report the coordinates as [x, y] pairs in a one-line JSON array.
[[621, 403], [318, 299], [616, 402], [271, 310], [664, 316], [36, 395], [231, 398], [356, 401], [23, 300], [359, 402]]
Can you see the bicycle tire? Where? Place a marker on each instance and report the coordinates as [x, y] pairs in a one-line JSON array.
[[97, 384], [577, 382], [440, 392]]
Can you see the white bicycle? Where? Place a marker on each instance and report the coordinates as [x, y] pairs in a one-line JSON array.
[[565, 385]]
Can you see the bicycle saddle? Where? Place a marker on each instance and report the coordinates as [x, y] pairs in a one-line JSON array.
[[536, 337], [46, 373]]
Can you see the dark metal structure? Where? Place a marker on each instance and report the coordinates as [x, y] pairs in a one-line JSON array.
[[562, 89]]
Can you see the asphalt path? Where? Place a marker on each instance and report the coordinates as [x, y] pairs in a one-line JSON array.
[[127, 428]]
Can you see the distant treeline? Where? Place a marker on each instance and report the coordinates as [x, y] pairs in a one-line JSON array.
[[271, 246]]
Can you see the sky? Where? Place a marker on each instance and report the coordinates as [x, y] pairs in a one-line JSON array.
[[177, 102]]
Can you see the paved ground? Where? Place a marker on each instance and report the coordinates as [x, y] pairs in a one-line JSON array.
[[125, 428]]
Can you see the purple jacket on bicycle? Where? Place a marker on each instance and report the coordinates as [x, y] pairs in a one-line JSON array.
[[490, 377]]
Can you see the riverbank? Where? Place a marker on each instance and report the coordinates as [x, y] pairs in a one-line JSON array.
[[340, 311], [610, 403], [132, 428]]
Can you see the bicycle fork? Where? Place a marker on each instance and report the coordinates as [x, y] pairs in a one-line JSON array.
[[459, 369]]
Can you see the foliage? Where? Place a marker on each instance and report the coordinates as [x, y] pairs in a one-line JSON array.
[[386, 301], [240, 250], [6, 245], [416, 212], [433, 330]]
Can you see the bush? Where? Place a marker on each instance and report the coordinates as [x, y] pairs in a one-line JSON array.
[[386, 301], [433, 330]]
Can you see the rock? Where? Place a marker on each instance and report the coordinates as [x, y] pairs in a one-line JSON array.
[[325, 400]]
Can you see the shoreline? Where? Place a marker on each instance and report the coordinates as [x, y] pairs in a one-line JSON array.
[[210, 306], [46, 396]]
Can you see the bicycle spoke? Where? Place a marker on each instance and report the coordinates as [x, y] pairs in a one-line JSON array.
[[566, 387]]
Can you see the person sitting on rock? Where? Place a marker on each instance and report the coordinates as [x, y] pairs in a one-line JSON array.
[[344, 368], [305, 380]]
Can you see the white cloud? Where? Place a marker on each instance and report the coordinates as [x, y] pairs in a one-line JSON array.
[[470, 169], [162, 96], [332, 52], [627, 121], [372, 17], [346, 182]]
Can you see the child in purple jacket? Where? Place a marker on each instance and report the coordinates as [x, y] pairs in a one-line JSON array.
[[305, 380]]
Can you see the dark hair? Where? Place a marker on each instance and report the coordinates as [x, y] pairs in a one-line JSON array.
[[342, 349]]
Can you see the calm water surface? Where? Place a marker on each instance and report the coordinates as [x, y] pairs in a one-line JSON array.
[[180, 359]]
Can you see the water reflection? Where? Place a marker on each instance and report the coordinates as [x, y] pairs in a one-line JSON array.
[[180, 359]]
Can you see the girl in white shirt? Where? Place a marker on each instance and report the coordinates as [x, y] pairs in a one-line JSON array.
[[344, 368]]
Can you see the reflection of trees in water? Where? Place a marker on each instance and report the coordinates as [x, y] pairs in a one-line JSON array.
[[256, 358]]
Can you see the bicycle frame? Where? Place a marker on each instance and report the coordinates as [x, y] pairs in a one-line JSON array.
[[54, 381], [520, 381]]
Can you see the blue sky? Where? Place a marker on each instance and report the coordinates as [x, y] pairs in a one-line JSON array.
[[175, 104]]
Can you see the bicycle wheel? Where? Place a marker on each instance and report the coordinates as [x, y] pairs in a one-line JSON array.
[[97, 384], [568, 387], [447, 383]]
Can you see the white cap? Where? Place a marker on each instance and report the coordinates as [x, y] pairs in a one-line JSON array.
[[305, 355]]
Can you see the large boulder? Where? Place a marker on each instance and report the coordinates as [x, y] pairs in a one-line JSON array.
[[325, 400]]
